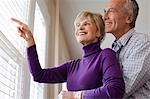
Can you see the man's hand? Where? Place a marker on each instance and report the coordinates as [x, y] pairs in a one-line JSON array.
[[70, 95]]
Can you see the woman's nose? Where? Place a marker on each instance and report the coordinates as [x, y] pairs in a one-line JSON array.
[[81, 27]]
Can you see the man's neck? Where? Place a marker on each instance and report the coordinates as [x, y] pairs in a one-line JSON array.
[[120, 34]]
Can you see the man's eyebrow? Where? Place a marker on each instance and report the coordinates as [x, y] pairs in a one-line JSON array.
[[110, 9]]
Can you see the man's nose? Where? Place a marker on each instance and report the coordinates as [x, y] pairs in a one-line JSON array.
[[105, 16]]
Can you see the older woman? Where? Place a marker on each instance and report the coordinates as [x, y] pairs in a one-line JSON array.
[[96, 75]]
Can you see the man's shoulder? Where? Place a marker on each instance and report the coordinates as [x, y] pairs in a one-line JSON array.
[[139, 41], [140, 37]]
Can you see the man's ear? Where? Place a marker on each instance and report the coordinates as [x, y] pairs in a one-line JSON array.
[[129, 19]]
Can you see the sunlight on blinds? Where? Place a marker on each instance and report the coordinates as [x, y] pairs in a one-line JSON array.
[[17, 9], [9, 69], [37, 89], [11, 60]]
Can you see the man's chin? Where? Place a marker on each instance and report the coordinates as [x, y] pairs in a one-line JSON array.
[[107, 32]]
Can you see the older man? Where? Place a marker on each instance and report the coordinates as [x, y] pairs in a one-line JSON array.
[[133, 47]]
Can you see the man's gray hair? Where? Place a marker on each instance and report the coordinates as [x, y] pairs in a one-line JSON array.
[[132, 8]]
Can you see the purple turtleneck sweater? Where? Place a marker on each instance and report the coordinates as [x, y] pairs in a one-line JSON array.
[[98, 73]]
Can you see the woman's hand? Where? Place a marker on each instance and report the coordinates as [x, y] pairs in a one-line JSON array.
[[70, 95], [24, 32]]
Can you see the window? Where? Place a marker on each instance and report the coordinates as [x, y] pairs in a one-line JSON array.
[[9, 69], [13, 8], [15, 80], [11, 48], [36, 89]]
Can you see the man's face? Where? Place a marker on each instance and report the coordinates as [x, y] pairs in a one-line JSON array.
[[115, 18]]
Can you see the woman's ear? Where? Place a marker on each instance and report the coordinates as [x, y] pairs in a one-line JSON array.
[[98, 34]]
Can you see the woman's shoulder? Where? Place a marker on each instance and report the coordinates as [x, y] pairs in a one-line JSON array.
[[108, 52]]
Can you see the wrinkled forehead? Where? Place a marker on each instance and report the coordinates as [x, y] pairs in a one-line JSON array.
[[117, 4]]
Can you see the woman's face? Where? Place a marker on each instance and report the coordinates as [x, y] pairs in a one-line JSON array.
[[86, 31]]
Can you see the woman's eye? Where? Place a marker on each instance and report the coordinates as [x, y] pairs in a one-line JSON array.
[[77, 25], [86, 23]]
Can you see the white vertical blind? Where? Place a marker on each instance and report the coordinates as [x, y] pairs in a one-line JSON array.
[[13, 8], [12, 48], [14, 81], [9, 69]]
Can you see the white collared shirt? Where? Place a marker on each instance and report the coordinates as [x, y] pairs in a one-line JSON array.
[[135, 61]]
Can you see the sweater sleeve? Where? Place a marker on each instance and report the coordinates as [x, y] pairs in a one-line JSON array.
[[113, 83], [50, 75]]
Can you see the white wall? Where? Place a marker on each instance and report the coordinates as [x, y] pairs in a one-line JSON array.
[[143, 21]]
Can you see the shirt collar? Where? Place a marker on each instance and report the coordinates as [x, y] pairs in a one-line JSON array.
[[126, 37]]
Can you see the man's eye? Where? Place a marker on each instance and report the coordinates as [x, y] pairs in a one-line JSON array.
[[112, 10]]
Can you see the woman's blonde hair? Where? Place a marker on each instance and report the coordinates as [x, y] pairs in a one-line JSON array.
[[96, 18]]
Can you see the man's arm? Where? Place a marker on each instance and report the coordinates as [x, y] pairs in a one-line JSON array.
[[136, 66]]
